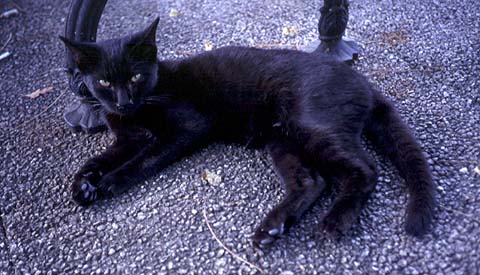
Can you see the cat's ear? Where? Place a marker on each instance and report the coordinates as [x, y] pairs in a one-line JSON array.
[[149, 34], [142, 45], [84, 55]]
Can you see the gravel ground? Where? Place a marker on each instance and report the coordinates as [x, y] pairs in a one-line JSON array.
[[422, 54]]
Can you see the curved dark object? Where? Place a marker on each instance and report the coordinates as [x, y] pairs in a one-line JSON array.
[[331, 28], [82, 24]]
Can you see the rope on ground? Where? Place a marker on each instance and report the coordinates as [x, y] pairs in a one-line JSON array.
[[6, 43], [460, 212]]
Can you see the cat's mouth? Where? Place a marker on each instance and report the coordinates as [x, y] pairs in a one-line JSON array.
[[124, 110]]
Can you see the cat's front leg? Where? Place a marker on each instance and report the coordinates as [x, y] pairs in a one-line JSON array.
[[85, 188], [150, 161]]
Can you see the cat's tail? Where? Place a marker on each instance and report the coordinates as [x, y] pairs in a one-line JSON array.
[[393, 137]]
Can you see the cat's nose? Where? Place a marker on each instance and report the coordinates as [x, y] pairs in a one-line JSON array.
[[122, 107]]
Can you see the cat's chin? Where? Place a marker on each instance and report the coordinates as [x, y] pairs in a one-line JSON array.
[[125, 113]]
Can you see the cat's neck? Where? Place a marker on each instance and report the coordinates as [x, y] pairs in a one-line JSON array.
[[173, 77], [167, 69]]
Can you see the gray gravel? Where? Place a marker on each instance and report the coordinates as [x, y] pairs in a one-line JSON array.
[[422, 54]]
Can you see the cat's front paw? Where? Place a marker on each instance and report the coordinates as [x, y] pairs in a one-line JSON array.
[[84, 188], [273, 226], [84, 192]]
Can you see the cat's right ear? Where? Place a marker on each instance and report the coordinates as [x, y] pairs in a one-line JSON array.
[[149, 33], [85, 55]]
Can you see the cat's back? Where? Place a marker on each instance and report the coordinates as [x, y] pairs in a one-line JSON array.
[[234, 75], [260, 58], [287, 70], [253, 66]]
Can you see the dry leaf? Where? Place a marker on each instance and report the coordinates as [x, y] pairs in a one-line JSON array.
[[290, 31], [396, 37], [174, 13], [211, 177], [40, 92], [9, 13], [208, 46]]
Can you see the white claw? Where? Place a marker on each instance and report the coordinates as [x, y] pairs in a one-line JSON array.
[[266, 241], [282, 228], [273, 232]]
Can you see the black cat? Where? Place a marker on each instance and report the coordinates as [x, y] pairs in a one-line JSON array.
[[310, 113]]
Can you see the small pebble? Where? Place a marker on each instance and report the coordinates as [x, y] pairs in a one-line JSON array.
[[111, 251]]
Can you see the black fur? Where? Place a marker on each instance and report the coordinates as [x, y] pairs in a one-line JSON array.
[[309, 111]]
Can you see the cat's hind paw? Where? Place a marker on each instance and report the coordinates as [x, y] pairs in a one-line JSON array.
[[418, 221], [263, 237], [273, 226], [336, 224], [83, 192]]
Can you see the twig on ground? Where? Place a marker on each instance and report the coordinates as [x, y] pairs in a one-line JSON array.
[[42, 112], [4, 55], [460, 212], [236, 256], [9, 13], [6, 43], [18, 6]]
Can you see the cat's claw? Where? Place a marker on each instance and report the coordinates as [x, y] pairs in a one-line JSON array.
[[277, 222], [263, 237], [273, 232], [84, 193], [266, 241]]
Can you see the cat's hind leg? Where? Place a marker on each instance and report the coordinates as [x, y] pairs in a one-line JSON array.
[[303, 186], [357, 184], [352, 168]]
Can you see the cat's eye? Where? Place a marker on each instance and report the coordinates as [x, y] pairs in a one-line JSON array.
[[104, 83], [136, 77]]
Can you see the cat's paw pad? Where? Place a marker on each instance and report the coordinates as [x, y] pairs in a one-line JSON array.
[[83, 192], [272, 227]]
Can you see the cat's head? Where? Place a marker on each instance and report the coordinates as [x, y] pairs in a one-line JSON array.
[[120, 73]]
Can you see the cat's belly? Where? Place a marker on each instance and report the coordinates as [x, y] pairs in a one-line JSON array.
[[252, 129]]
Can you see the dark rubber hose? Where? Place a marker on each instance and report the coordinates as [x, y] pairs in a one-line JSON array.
[[82, 25]]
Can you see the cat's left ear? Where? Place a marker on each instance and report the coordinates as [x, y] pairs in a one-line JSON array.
[[142, 45]]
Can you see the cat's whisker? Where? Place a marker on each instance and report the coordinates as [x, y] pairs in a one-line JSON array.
[[159, 97]]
